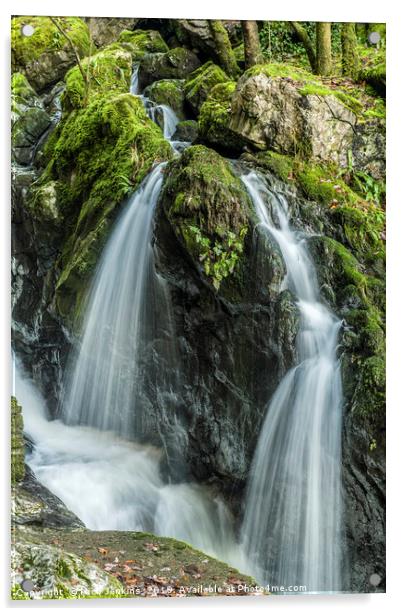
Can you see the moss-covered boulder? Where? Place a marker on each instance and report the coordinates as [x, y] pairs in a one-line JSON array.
[[168, 92], [46, 55], [108, 71], [176, 63], [200, 83], [214, 120], [186, 131], [373, 69], [143, 41], [96, 156], [17, 442], [208, 209], [29, 120]]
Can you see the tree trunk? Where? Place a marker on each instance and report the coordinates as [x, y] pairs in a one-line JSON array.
[[224, 48], [252, 49], [324, 54], [304, 38], [350, 59]]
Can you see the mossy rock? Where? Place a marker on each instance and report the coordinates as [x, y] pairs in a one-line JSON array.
[[186, 131], [200, 83], [96, 156], [214, 120], [17, 443], [362, 221], [107, 72], [176, 63], [168, 92], [208, 209], [46, 56], [359, 298], [22, 93], [143, 41]]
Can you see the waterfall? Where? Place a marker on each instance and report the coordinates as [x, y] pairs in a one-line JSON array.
[[127, 309], [163, 115], [113, 483], [292, 523]]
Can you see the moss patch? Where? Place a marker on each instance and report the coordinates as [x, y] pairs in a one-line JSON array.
[[200, 83], [46, 37], [215, 116], [17, 443], [143, 41], [107, 72], [138, 564], [168, 92], [97, 155]]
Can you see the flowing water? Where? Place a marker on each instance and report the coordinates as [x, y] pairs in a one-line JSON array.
[[112, 483], [291, 529], [104, 378], [292, 523]]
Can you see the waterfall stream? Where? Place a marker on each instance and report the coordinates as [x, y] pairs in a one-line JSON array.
[[292, 523], [85, 458], [94, 457]]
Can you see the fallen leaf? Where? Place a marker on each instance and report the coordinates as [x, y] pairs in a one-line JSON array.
[[103, 551]]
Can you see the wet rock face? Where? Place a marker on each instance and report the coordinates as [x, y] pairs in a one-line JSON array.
[[175, 64]]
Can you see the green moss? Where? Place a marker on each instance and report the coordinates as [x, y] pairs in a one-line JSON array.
[[97, 155], [17, 443], [215, 117], [373, 69], [200, 83], [21, 90], [208, 209], [107, 72], [168, 92], [149, 41], [46, 37]]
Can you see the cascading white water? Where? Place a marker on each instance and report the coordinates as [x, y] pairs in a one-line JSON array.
[[293, 515], [104, 378], [112, 483], [160, 114]]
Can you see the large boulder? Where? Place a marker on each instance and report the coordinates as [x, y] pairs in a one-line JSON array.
[[46, 55], [175, 64], [274, 113]]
